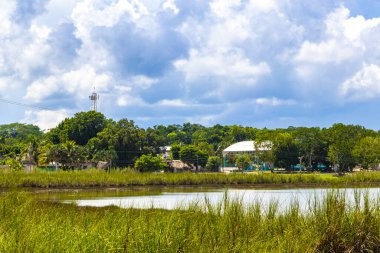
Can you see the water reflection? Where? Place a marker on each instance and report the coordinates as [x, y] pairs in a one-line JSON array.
[[173, 200]]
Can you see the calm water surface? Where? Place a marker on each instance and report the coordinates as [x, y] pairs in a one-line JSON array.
[[172, 199]]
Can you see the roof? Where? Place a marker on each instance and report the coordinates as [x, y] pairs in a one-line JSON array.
[[166, 148], [247, 146], [244, 146]]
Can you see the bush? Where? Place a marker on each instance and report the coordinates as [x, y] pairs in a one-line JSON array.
[[14, 164], [213, 163], [150, 163]]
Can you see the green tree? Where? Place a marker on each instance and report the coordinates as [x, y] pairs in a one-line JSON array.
[[104, 155], [68, 154], [243, 161], [367, 152], [174, 151], [285, 151], [19, 131], [153, 141], [311, 145], [192, 155], [80, 128], [125, 138], [213, 163], [149, 163], [342, 139]]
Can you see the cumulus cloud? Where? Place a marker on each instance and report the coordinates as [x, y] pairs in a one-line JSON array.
[[274, 101], [170, 6], [172, 102], [40, 89], [219, 61], [329, 68], [142, 81], [6, 25], [127, 97], [234, 45], [222, 64], [45, 119], [344, 40], [364, 85], [76, 82]]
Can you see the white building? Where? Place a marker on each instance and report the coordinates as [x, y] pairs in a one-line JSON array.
[[244, 147]]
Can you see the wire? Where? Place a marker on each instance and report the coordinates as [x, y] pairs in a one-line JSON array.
[[23, 105]]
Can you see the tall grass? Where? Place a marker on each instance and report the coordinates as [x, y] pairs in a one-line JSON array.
[[331, 225], [120, 178]]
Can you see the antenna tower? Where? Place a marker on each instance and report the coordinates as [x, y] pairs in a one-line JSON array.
[[94, 100]]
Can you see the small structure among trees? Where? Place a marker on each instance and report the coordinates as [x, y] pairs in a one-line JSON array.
[[245, 156]]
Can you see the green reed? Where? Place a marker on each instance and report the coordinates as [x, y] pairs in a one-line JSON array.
[[330, 225], [123, 178]]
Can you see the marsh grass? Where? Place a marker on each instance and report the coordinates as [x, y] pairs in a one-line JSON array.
[[122, 178], [330, 225]]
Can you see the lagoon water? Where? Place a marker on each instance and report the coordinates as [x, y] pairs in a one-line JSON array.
[[182, 198]]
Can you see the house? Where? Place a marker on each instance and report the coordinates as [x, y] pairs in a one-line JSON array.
[[165, 152], [179, 166]]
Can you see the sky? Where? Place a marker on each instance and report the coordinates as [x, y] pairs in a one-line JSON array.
[[272, 63]]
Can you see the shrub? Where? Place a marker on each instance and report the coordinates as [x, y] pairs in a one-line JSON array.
[[150, 163], [14, 164], [213, 163]]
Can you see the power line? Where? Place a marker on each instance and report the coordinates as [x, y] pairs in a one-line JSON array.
[[24, 105]]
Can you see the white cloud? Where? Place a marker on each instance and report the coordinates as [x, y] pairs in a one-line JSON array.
[[127, 97], [45, 119], [128, 100], [172, 103], [274, 102], [264, 6], [224, 8], [229, 55], [170, 6], [7, 28], [76, 82], [364, 85], [35, 53], [41, 89], [221, 64], [87, 15], [339, 24], [82, 80], [234, 44], [141, 81], [6, 83], [57, 12], [343, 40], [325, 52]]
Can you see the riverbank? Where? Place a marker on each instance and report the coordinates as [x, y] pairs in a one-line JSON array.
[[29, 225], [122, 178]]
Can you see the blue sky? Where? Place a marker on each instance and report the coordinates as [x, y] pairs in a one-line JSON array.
[[273, 63]]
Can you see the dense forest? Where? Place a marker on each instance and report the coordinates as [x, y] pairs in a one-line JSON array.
[[91, 137]]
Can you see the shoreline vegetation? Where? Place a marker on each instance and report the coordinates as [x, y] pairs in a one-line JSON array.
[[94, 178], [330, 225]]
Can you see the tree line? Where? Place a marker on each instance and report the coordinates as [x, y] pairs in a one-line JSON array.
[[91, 137]]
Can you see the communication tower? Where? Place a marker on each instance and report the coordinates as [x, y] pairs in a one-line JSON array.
[[94, 100]]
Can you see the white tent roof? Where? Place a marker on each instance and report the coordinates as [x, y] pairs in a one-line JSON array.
[[244, 146], [247, 146]]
